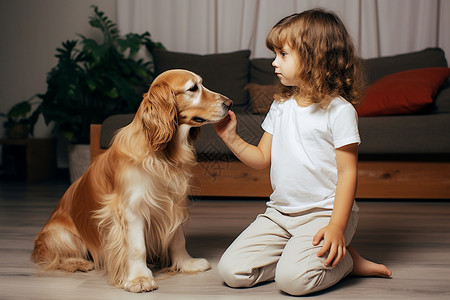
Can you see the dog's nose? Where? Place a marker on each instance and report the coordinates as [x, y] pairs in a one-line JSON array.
[[227, 103]]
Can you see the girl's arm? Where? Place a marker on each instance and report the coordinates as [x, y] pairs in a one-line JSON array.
[[257, 157], [333, 234]]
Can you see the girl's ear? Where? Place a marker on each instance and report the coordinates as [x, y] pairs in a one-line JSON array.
[[159, 115]]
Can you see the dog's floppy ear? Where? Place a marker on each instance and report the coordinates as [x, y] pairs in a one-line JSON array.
[[159, 117]]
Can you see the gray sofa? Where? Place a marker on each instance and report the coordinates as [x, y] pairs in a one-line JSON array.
[[424, 133], [421, 136]]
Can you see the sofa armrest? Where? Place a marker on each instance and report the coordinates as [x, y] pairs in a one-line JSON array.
[[95, 130]]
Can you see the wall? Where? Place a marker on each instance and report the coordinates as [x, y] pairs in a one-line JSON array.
[[32, 30]]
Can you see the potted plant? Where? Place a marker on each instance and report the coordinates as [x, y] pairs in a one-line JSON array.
[[20, 120], [94, 81]]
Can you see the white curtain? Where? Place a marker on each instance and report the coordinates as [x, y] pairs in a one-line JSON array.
[[378, 27]]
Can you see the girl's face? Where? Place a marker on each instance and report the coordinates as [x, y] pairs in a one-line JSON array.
[[286, 64]]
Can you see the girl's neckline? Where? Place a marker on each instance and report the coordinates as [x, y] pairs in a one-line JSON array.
[[304, 103], [312, 105], [302, 106]]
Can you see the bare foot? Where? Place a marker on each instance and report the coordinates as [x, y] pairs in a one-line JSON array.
[[364, 267]]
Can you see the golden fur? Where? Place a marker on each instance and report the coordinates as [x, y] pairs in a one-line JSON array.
[[127, 209]]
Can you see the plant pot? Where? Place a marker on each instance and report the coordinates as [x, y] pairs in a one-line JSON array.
[[79, 160], [17, 131]]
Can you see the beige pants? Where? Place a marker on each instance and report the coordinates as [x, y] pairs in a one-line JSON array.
[[279, 247]]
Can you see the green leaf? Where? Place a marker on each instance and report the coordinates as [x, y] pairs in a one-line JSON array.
[[113, 93], [69, 135], [21, 109], [91, 84], [95, 79]]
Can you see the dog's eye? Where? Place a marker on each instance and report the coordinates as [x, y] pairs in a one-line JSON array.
[[193, 88], [198, 120]]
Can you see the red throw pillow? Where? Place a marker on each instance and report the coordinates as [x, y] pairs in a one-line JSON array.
[[403, 93]]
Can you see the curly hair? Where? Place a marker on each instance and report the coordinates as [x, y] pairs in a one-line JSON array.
[[329, 66]]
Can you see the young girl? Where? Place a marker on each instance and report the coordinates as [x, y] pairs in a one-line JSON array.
[[310, 141]]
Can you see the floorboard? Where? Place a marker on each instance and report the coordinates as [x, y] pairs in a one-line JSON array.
[[411, 237]]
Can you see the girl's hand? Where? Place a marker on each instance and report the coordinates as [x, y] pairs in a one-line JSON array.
[[334, 242], [226, 128]]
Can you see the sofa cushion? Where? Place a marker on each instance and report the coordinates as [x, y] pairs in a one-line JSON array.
[[403, 92], [442, 102], [261, 97], [405, 135], [226, 73], [377, 68], [262, 72]]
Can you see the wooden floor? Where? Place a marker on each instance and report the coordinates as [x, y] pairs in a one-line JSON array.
[[412, 238]]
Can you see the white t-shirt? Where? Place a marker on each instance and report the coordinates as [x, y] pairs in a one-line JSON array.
[[303, 170]]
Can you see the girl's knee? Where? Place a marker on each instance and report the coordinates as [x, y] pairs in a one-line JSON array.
[[226, 272], [296, 282], [231, 275], [290, 284]]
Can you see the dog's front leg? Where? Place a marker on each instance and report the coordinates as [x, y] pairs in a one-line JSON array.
[[181, 260], [140, 277]]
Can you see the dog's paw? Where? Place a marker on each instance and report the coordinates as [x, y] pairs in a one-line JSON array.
[[140, 285], [76, 264], [194, 265]]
